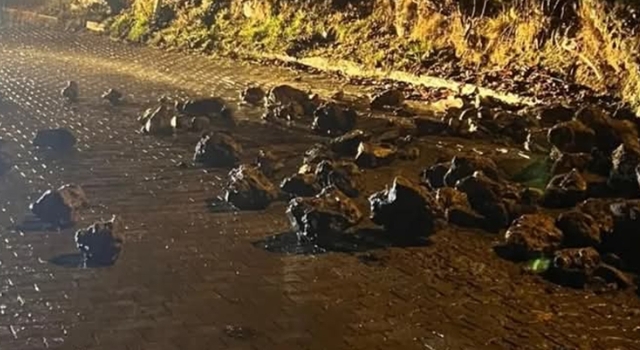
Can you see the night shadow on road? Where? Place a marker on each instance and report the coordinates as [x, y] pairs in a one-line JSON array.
[[361, 241]]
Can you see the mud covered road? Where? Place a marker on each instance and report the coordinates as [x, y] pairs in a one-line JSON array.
[[191, 278]]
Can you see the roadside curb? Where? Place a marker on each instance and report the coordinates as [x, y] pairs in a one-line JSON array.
[[345, 67]]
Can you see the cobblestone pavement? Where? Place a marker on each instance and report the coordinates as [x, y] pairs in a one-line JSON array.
[[190, 278]]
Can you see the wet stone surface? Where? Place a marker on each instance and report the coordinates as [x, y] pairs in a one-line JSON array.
[[192, 278]]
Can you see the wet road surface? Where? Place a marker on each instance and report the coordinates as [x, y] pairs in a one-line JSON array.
[[190, 278]]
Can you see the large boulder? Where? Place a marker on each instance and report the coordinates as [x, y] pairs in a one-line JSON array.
[[463, 166], [100, 243], [217, 150], [532, 236], [331, 211], [565, 190], [406, 210], [60, 207], [333, 119], [373, 155], [250, 189], [55, 139]]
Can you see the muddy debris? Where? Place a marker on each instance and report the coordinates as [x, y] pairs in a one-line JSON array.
[[101, 243], [345, 176], [373, 155], [70, 92], [217, 150], [565, 190], [268, 163], [329, 212], [252, 95], [300, 185], [387, 98], [333, 119], [60, 207], [59, 140], [532, 236], [347, 144], [406, 210], [112, 96], [250, 189]]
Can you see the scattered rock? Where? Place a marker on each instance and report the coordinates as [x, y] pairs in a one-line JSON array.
[[486, 197], [313, 156], [333, 119], [252, 95], [463, 166], [158, 123], [112, 96], [338, 95], [180, 123], [329, 212], [250, 189], [537, 141], [217, 150], [572, 137], [71, 92], [599, 209], [612, 275], [574, 267], [565, 162], [347, 144], [434, 175], [300, 185], [268, 163], [624, 160], [199, 124], [579, 229], [551, 115], [532, 236], [296, 100], [387, 98], [60, 207], [625, 239], [449, 197], [430, 126], [373, 155], [203, 107], [565, 190], [464, 216], [409, 153], [55, 139], [100, 243], [406, 210], [345, 176]]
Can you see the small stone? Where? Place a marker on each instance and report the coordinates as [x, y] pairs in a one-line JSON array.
[[406, 210], [55, 139], [329, 212], [252, 95], [333, 119], [268, 163], [250, 189], [579, 229], [60, 207], [100, 243], [463, 166], [387, 98], [565, 190], [217, 150], [373, 155], [532, 236], [347, 144]]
